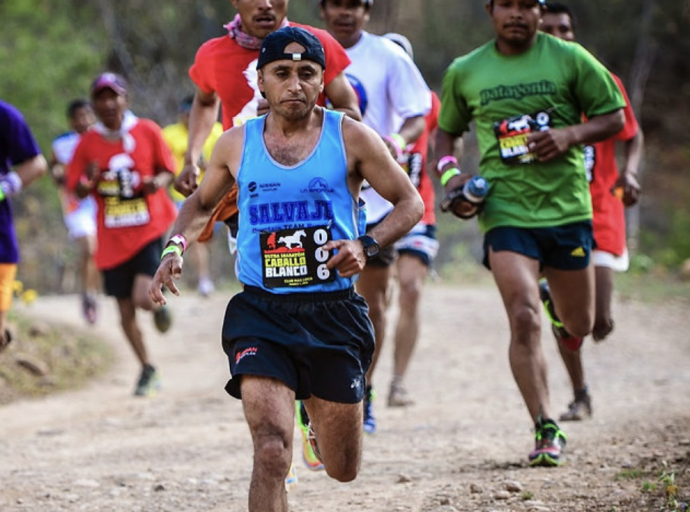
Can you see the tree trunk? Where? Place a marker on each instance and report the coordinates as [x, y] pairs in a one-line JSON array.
[[645, 54], [384, 16]]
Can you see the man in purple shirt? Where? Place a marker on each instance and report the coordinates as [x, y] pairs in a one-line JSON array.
[[21, 163]]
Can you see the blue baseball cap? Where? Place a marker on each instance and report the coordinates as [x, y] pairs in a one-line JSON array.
[[273, 47]]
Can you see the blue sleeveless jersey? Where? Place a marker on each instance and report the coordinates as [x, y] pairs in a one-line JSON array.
[[287, 213]]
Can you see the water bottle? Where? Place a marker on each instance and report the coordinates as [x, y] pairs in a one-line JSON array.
[[475, 190]]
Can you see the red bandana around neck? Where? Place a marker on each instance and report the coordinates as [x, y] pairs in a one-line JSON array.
[[234, 29]]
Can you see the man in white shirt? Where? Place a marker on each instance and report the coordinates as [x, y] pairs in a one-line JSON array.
[[394, 99]]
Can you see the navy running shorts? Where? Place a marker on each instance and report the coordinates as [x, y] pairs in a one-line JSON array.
[[318, 344], [566, 247], [119, 281]]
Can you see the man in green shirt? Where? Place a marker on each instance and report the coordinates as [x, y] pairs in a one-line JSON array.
[[526, 92]]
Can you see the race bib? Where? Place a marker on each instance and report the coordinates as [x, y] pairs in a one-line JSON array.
[[413, 167], [122, 213], [295, 257], [512, 134], [122, 206]]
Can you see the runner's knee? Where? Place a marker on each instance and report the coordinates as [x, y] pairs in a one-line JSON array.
[[272, 455], [578, 330], [602, 328], [410, 293], [347, 468], [579, 326], [524, 322]]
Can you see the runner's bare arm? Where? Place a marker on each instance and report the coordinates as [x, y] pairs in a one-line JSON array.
[[343, 98], [32, 169], [161, 179], [448, 144], [202, 117], [369, 158], [197, 209], [375, 164], [628, 177], [57, 169], [411, 129], [553, 143]]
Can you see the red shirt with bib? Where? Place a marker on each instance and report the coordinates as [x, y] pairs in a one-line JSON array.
[[600, 161], [128, 219]]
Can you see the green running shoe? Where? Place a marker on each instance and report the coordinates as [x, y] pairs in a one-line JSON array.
[[550, 442]]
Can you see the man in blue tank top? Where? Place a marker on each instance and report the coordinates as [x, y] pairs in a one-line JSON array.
[[298, 330]]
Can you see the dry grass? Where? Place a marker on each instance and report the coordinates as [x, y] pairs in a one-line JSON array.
[[43, 359]]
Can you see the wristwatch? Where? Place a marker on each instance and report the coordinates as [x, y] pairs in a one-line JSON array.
[[371, 246]]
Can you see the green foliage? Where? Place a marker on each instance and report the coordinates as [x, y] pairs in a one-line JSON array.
[[667, 479], [666, 484], [527, 495], [670, 247], [53, 48], [640, 264], [648, 487], [452, 33], [305, 11], [153, 47], [655, 286], [628, 474]]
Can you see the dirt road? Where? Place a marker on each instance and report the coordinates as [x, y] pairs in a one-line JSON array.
[[462, 447]]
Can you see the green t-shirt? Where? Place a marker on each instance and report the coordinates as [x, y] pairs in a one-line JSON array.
[[551, 85]]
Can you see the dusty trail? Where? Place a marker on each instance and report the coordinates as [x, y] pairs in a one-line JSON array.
[[100, 449]]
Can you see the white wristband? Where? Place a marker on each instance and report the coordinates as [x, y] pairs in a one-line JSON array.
[[179, 240], [11, 183], [448, 159]]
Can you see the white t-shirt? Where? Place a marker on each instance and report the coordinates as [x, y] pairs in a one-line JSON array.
[[79, 214], [64, 146], [390, 89]]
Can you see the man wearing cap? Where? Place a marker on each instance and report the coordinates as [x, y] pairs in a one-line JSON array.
[[177, 137], [125, 164], [21, 163], [394, 100], [224, 72], [525, 92], [298, 329]]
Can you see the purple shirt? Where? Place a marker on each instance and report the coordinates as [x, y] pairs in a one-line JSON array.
[[17, 145]]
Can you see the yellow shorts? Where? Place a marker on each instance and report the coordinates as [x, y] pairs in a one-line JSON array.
[[8, 272]]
